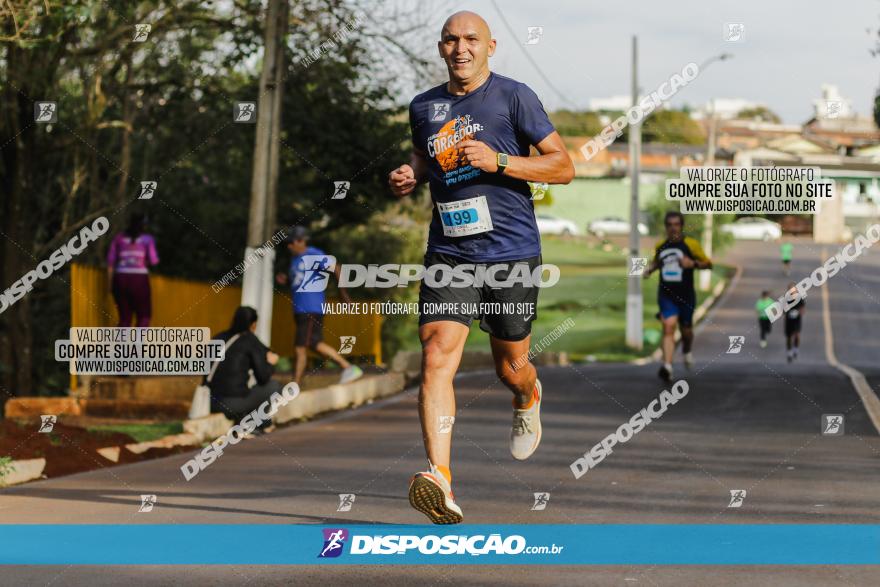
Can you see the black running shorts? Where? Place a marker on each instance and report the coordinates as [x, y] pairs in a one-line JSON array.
[[309, 329], [504, 312]]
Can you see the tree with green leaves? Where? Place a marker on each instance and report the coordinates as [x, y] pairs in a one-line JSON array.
[[672, 126], [570, 123], [759, 113], [160, 108]]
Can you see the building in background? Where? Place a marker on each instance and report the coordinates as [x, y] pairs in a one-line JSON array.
[[725, 108], [842, 143]]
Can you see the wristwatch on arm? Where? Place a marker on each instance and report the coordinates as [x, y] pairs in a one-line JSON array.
[[502, 160]]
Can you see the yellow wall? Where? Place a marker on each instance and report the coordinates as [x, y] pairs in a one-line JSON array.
[[183, 302]]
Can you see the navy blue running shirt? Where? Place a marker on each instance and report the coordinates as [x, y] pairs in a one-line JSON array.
[[479, 216]]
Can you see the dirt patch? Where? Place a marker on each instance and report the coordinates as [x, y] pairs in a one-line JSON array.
[[68, 449]]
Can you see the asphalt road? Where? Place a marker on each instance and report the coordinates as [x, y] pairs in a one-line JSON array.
[[750, 421]]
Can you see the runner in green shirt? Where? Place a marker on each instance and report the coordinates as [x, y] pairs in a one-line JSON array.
[[764, 302], [786, 249]]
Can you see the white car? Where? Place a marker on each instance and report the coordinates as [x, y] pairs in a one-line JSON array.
[[552, 225], [752, 228], [613, 225]]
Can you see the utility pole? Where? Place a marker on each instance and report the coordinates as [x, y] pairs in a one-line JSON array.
[[257, 286], [634, 335], [706, 276], [708, 225]]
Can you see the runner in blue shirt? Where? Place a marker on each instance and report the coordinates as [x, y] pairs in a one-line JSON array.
[[472, 139], [308, 275]]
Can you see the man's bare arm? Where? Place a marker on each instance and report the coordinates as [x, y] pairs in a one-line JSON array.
[[404, 179], [551, 165], [419, 162]]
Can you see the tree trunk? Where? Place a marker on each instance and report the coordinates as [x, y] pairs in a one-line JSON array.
[[15, 332]]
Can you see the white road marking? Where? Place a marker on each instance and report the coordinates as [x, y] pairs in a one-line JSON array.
[[866, 394]]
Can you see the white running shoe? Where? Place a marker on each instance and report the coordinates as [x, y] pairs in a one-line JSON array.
[[689, 361], [351, 373], [430, 493], [525, 435]]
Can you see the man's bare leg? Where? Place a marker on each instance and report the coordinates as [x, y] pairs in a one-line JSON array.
[[513, 367], [669, 325], [442, 346], [302, 358], [687, 343], [329, 352], [668, 345], [516, 372]]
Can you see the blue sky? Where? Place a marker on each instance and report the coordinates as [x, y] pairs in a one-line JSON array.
[[789, 49]]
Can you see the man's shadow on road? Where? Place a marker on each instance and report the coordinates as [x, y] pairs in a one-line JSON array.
[[96, 496]]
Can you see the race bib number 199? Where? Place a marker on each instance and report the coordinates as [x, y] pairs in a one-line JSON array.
[[465, 217]]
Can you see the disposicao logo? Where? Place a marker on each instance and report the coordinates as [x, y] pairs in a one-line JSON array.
[[334, 540], [431, 544], [314, 273]]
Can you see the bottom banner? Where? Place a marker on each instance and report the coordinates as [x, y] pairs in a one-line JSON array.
[[267, 544]]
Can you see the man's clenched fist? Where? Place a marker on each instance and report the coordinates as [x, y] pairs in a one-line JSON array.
[[479, 155], [402, 181]]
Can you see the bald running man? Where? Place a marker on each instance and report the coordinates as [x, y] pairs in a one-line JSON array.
[[471, 142]]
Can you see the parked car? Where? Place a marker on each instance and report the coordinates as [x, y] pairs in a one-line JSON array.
[[602, 227], [552, 225], [752, 228]]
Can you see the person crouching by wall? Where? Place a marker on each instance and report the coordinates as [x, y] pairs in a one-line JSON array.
[[230, 394]]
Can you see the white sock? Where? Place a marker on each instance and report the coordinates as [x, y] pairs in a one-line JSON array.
[[668, 366], [689, 356]]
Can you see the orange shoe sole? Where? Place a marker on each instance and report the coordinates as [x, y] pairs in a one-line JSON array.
[[427, 497]]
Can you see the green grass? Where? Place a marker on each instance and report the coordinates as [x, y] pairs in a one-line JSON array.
[[592, 292], [584, 200], [141, 432], [5, 466]]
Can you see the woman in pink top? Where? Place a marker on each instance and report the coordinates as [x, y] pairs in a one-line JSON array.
[[127, 260]]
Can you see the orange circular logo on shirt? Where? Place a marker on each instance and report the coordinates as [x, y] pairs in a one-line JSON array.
[[449, 153]]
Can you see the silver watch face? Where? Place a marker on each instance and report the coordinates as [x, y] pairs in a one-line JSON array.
[[502, 159]]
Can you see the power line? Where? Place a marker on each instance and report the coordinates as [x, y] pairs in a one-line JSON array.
[[531, 60]]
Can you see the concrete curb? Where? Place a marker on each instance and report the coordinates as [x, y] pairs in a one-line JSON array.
[[209, 427], [338, 397], [864, 390], [172, 440], [196, 432], [700, 312], [23, 471]]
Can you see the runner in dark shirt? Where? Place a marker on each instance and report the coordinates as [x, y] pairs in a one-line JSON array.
[[793, 317], [471, 142], [676, 257]]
